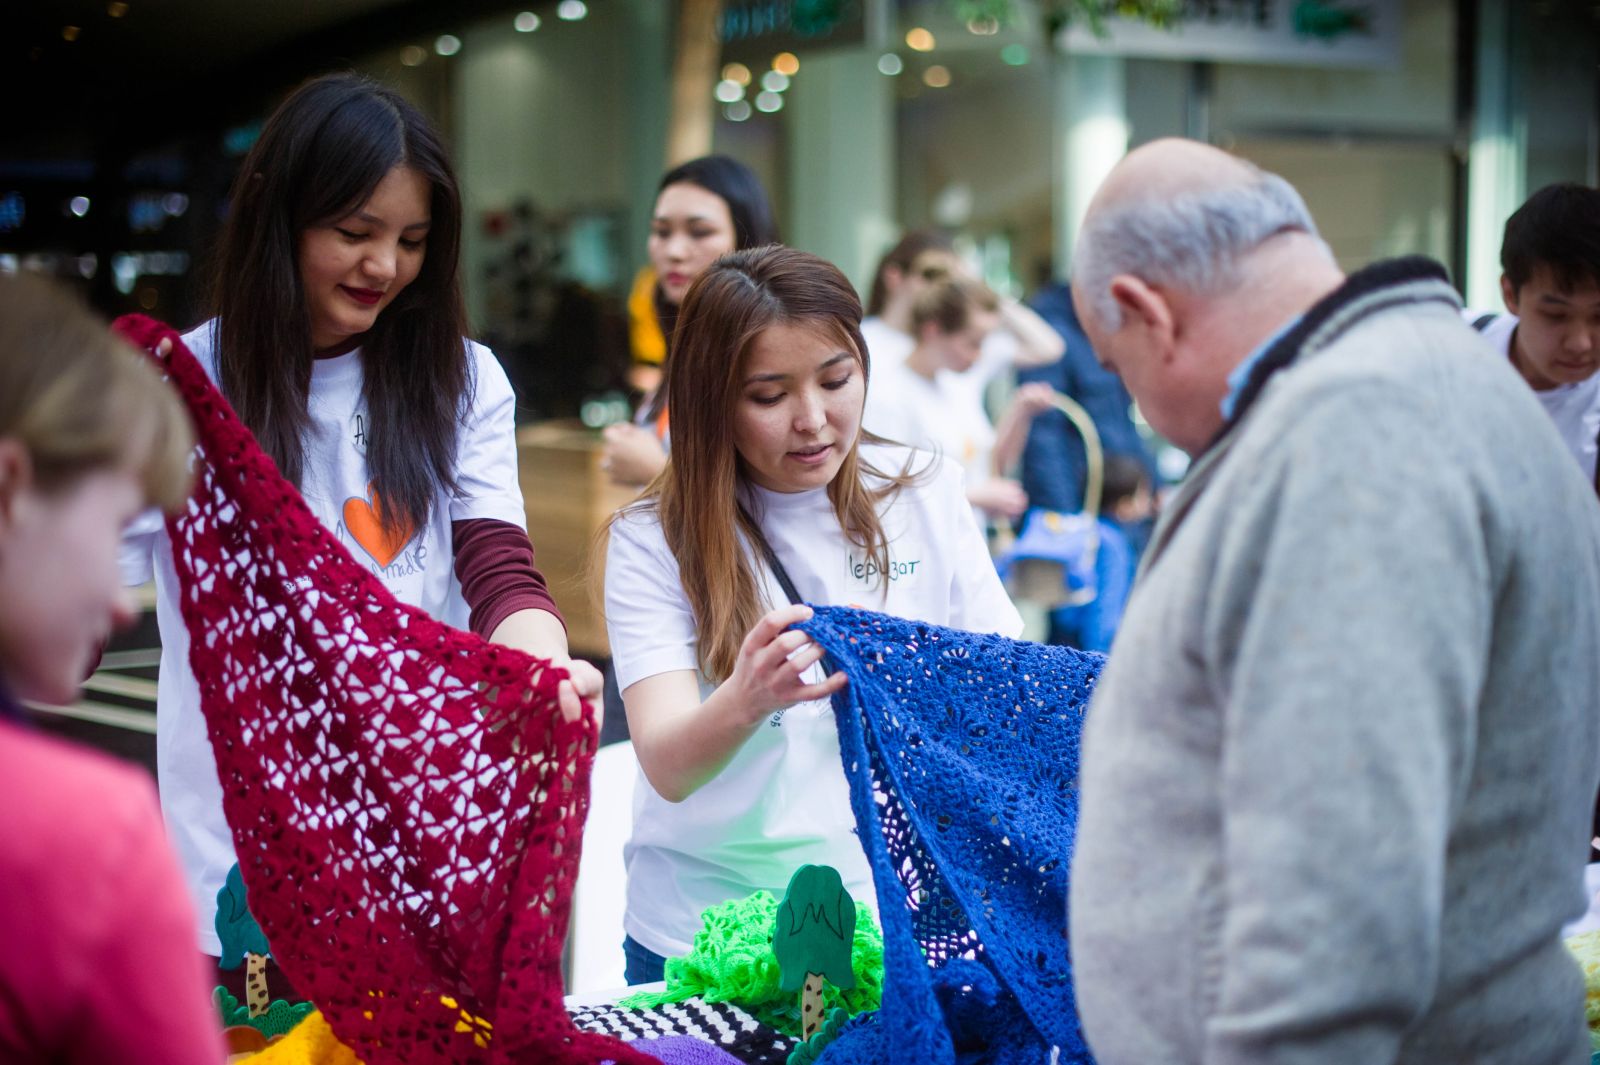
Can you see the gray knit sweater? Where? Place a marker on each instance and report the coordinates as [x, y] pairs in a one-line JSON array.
[[1339, 771]]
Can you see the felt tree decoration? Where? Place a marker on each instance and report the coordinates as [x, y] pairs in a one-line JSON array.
[[243, 941], [811, 938]]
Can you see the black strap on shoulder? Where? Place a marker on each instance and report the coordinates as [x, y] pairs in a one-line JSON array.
[[1597, 492], [770, 556], [1483, 321]]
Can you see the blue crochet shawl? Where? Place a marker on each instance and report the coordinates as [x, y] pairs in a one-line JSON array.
[[961, 752]]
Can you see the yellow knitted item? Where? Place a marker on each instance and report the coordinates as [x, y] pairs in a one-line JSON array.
[[649, 343], [311, 1042], [1586, 948]]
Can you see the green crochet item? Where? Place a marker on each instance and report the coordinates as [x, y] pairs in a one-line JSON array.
[[280, 1018], [732, 961], [808, 1052]]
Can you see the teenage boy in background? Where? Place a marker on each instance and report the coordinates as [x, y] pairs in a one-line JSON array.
[[1551, 284]]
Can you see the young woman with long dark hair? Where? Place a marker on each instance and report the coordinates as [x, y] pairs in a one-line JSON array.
[[338, 337], [704, 208], [742, 782]]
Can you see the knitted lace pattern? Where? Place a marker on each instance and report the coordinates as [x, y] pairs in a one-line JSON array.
[[406, 800], [961, 752]]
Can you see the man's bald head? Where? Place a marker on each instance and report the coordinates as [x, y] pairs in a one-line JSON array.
[[1170, 167], [1180, 216]]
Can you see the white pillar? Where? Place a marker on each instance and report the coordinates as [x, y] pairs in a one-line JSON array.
[[1091, 136], [841, 161], [1497, 159]]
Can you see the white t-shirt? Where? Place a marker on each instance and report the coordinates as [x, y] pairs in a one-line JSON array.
[[887, 346], [933, 415], [1575, 408], [335, 486], [782, 801]]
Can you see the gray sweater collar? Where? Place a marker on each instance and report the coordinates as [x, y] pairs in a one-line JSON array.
[[1369, 291]]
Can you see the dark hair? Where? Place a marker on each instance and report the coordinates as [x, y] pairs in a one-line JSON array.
[[1558, 228], [738, 187], [319, 157], [725, 311], [1123, 477], [901, 256]]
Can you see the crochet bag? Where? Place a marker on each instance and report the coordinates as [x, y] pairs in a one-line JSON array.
[[406, 800], [961, 752]]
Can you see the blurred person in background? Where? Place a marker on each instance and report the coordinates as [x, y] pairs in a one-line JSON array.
[[98, 958], [704, 209], [1054, 470], [1126, 504], [925, 400], [1020, 337], [1550, 258]]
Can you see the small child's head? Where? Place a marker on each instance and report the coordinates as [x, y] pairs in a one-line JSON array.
[[89, 437], [951, 316], [1551, 282], [1125, 491]]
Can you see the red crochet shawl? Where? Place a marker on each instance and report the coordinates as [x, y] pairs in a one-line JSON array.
[[406, 800]]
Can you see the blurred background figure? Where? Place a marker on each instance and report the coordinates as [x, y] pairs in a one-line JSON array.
[[1126, 507], [704, 209], [927, 399], [1053, 461]]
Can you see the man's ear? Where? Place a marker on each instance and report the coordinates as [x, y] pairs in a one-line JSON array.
[[1144, 308], [1508, 292], [16, 476]]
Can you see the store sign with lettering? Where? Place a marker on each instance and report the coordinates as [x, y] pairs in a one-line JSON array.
[[1324, 33], [764, 27]]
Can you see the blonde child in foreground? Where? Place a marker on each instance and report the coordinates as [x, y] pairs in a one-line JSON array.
[[98, 959]]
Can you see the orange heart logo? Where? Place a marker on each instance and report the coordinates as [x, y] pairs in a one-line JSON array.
[[365, 522]]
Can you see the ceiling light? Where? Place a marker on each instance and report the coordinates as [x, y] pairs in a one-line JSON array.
[[526, 22]]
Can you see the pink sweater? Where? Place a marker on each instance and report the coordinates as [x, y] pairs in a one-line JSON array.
[[98, 960]]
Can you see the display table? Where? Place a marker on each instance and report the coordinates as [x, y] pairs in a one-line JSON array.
[[568, 499]]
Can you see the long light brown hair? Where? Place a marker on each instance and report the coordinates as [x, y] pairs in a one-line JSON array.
[[742, 295]]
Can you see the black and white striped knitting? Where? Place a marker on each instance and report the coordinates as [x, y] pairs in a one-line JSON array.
[[723, 1024]]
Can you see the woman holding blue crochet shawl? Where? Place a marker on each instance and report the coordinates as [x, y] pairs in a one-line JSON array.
[[742, 782]]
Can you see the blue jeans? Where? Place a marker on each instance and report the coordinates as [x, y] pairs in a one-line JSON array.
[[644, 966]]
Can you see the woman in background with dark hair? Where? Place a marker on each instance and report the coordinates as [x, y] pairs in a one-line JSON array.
[[704, 208], [338, 338], [742, 781]]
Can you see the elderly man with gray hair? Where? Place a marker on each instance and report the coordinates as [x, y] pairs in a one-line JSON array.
[[1338, 771]]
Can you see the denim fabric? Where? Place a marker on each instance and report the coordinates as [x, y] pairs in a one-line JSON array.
[[644, 966]]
